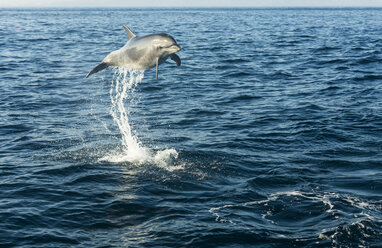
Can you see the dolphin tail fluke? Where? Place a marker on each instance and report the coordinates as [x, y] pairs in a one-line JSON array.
[[98, 68]]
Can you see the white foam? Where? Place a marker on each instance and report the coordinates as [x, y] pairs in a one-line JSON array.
[[165, 159]]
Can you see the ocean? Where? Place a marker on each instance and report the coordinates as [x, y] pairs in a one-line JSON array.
[[268, 135]]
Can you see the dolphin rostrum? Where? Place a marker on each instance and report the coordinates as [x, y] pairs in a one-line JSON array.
[[141, 52]]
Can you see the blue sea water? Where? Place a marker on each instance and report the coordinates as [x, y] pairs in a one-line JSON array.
[[268, 135]]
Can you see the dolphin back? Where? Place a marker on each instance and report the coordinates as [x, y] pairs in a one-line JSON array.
[[98, 68]]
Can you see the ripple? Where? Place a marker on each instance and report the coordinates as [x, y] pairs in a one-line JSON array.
[[295, 214]]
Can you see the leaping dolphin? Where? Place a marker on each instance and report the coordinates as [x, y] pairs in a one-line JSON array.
[[141, 53]]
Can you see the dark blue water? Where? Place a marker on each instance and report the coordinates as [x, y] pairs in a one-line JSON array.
[[268, 135]]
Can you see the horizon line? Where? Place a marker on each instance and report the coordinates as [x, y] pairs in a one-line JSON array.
[[180, 7]]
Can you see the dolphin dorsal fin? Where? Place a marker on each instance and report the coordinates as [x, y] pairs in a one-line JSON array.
[[130, 34]]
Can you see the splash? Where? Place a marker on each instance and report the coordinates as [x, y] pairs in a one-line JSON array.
[[123, 85], [121, 92]]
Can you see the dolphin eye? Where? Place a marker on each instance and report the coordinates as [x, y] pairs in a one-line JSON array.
[[160, 47]]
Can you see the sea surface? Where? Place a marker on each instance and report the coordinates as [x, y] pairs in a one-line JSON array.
[[268, 135]]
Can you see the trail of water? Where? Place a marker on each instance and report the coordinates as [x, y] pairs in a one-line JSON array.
[[121, 92], [122, 87]]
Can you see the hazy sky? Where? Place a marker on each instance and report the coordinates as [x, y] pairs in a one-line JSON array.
[[189, 3]]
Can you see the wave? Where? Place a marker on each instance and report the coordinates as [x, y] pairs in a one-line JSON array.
[[298, 215]]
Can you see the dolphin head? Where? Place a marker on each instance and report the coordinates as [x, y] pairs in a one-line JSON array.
[[165, 44]]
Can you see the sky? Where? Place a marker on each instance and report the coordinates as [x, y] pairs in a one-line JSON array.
[[191, 3]]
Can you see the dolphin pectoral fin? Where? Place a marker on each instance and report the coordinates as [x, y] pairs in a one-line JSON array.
[[130, 34], [98, 68], [157, 65], [175, 58]]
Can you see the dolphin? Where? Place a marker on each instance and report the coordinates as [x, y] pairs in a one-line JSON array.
[[141, 53]]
